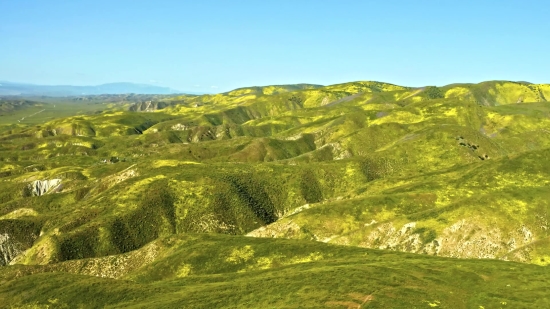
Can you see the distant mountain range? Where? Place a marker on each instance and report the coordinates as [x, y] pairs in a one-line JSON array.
[[18, 89]]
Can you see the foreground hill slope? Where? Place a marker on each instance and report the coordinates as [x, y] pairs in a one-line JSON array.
[[457, 171], [205, 271]]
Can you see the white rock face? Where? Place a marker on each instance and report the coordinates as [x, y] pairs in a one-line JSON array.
[[463, 239], [41, 187], [179, 127], [8, 249]]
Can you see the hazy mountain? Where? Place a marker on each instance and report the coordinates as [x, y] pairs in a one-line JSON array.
[[11, 105], [9, 88]]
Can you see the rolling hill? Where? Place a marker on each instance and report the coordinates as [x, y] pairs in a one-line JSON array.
[[355, 195]]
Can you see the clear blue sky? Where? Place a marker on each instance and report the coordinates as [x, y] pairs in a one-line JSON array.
[[214, 46]]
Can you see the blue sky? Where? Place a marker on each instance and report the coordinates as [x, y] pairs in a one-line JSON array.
[[214, 46]]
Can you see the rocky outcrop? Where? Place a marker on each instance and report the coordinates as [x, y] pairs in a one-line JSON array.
[[148, 106], [278, 229], [179, 127], [463, 239], [41, 187], [9, 249]]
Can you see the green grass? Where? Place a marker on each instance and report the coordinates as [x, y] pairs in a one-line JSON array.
[[204, 271]]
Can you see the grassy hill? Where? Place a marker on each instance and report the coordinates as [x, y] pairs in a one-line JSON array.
[[148, 195], [10, 105]]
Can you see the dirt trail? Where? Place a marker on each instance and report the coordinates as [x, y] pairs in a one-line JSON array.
[[23, 118]]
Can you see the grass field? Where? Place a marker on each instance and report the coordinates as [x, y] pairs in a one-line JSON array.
[[49, 111], [205, 271]]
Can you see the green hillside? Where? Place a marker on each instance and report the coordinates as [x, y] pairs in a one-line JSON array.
[[427, 197], [205, 271]]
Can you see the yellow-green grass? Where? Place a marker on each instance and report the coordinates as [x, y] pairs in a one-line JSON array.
[[204, 271]]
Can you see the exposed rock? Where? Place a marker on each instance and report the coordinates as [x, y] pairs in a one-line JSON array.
[[123, 175], [179, 127], [386, 236], [9, 249], [41, 187], [339, 152], [277, 229], [296, 210], [463, 239], [148, 106], [294, 137]]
